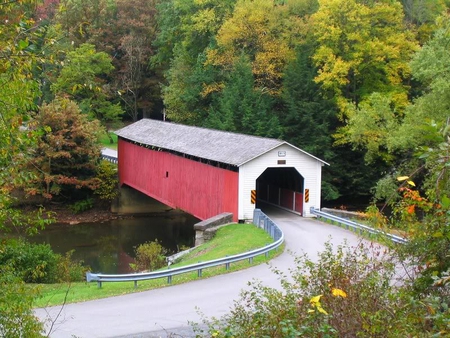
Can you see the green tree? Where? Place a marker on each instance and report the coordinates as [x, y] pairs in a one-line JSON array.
[[21, 52], [362, 47], [308, 119], [82, 79], [189, 24], [184, 99], [242, 108], [67, 153], [429, 66], [186, 28], [108, 181]]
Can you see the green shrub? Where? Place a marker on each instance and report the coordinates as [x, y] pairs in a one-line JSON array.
[[70, 270], [108, 182], [16, 307], [149, 256], [33, 263], [82, 205], [348, 292], [37, 263]]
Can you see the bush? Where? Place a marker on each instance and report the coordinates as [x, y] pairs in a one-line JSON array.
[[349, 292], [108, 181], [16, 307], [149, 256], [32, 263], [37, 263], [70, 270], [82, 205]]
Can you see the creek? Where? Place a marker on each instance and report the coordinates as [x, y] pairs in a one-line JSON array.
[[108, 247]]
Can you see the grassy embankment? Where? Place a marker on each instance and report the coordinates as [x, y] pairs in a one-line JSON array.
[[230, 240], [106, 142]]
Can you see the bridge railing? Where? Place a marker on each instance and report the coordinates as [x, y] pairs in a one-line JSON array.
[[356, 227], [259, 219]]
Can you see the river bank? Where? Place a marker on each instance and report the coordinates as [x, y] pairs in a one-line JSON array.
[[61, 213]]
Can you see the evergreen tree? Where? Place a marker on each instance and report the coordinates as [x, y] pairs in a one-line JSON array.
[[242, 108]]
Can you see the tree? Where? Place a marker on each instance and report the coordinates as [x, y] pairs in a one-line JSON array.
[[82, 21], [265, 32], [362, 47], [21, 52], [308, 119], [429, 66], [20, 38], [68, 151], [183, 97], [135, 30], [422, 14], [82, 79], [242, 107], [186, 28]]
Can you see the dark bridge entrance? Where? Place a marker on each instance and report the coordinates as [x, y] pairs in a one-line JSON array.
[[283, 187]]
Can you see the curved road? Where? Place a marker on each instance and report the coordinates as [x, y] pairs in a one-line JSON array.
[[157, 313]]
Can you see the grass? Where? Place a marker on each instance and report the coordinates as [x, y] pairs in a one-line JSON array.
[[106, 142], [229, 240]]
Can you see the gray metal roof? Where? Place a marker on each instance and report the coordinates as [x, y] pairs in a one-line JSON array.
[[221, 146]]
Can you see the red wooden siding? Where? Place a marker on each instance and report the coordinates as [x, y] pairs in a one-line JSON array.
[[299, 202], [197, 188]]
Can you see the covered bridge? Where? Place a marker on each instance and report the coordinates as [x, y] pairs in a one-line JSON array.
[[206, 172]]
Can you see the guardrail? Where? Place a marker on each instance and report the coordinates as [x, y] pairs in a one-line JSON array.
[[111, 159], [259, 219], [356, 227]]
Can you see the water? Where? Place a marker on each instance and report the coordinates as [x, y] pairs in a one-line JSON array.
[[108, 247]]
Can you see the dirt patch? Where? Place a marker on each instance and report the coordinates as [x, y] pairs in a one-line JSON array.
[[201, 252], [63, 214]]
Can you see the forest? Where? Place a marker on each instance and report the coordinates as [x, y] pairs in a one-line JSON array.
[[352, 82], [361, 84]]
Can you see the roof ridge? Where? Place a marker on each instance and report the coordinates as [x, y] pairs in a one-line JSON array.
[[210, 144]]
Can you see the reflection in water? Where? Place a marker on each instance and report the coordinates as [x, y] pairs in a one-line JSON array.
[[108, 247]]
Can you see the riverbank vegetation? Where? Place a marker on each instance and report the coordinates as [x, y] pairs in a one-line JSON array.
[[363, 85]]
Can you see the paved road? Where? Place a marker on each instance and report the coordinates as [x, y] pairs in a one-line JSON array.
[[109, 152], [156, 313]]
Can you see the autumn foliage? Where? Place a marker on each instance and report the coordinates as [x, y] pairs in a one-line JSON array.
[[67, 152]]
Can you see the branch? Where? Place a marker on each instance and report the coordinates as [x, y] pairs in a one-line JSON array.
[[59, 312]]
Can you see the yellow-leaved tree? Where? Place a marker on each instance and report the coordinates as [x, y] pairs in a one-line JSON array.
[[363, 55], [362, 48], [266, 33]]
